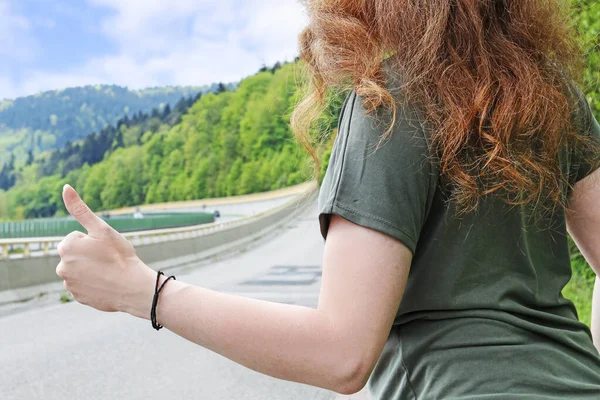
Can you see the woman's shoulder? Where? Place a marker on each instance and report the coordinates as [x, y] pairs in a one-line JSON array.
[[400, 127]]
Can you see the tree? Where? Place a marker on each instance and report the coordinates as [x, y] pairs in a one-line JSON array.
[[7, 175], [221, 88], [118, 141], [276, 67], [29, 157], [94, 186], [166, 112]]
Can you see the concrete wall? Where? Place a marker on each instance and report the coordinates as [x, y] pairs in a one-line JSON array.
[[33, 271]]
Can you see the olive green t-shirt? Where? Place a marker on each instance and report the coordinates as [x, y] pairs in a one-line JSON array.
[[482, 315]]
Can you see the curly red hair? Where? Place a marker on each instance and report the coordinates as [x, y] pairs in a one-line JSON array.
[[493, 78]]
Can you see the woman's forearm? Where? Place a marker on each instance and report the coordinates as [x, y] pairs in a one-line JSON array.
[[596, 314], [284, 341], [335, 347]]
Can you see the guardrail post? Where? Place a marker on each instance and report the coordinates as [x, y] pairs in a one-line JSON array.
[[46, 248], [4, 251], [26, 252]]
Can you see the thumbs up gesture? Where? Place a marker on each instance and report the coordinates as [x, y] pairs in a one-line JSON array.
[[101, 269]]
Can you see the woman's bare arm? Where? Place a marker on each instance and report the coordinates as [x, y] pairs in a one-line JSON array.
[[583, 223], [335, 346]]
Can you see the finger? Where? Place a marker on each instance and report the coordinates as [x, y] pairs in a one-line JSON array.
[[74, 235], [82, 213], [61, 271], [65, 245]]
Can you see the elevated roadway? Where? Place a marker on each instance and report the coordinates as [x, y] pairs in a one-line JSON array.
[[68, 351]]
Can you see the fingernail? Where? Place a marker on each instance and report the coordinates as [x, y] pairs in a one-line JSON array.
[[66, 186]]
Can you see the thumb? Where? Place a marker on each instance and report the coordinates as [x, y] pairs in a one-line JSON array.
[[81, 212]]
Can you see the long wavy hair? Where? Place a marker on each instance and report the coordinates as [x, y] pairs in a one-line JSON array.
[[493, 78]]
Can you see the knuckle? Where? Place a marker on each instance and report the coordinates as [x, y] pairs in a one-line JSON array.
[[105, 230], [74, 235], [79, 209], [131, 247], [61, 249], [66, 245], [78, 298], [60, 270]]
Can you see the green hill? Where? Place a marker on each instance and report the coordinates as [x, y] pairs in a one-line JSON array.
[[50, 119], [227, 143]]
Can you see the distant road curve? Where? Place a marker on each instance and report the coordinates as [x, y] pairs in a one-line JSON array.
[[268, 199]]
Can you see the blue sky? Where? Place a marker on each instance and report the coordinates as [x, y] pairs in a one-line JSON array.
[[53, 44]]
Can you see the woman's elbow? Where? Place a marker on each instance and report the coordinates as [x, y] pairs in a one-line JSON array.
[[353, 376]]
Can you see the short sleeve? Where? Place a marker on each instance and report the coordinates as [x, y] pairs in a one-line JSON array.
[[387, 188], [583, 163]]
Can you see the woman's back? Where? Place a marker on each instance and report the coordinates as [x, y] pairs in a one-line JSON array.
[[473, 178], [482, 313]]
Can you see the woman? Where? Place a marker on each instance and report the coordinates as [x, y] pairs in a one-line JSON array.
[[464, 154]]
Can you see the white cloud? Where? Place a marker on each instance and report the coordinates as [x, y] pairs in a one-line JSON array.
[[181, 42], [120, 70], [202, 41], [15, 35], [148, 29]]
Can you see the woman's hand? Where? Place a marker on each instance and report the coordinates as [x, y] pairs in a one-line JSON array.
[[102, 269]]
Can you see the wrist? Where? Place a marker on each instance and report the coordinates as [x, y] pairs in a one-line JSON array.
[[137, 299]]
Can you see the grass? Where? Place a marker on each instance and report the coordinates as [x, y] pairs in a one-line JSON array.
[[66, 297], [579, 290], [581, 286]]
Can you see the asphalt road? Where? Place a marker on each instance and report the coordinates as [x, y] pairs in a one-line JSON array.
[[69, 351], [238, 210]]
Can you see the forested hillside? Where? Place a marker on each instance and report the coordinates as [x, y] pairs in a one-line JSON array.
[[228, 143], [95, 147], [50, 119]]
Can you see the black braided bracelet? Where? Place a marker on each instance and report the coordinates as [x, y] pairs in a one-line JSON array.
[[157, 290]]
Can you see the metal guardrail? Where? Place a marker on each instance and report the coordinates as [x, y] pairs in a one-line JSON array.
[[44, 246]]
